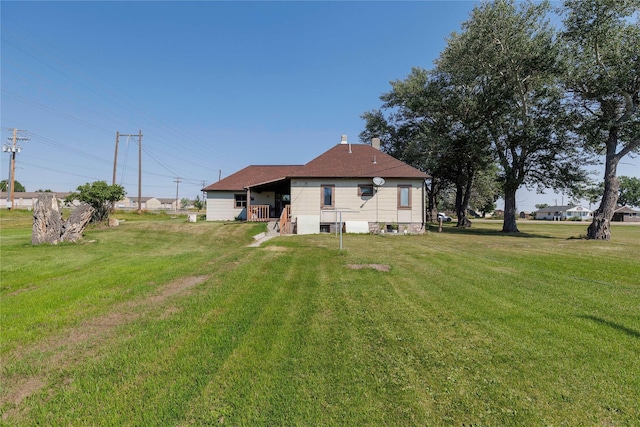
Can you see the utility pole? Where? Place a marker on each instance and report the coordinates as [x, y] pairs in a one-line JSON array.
[[204, 197], [177, 181], [12, 148], [115, 160], [139, 171]]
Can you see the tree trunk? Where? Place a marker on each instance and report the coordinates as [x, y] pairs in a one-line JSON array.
[[432, 201], [509, 225], [76, 223], [47, 220], [463, 207], [600, 227]]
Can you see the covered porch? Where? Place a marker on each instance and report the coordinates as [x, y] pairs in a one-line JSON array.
[[270, 201]]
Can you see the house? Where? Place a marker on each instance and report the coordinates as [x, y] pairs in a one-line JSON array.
[[354, 184], [27, 199], [562, 213], [584, 214], [147, 203], [626, 214]]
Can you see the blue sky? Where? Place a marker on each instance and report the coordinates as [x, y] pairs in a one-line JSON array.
[[214, 86]]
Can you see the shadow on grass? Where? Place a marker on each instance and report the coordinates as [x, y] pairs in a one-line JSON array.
[[628, 331], [486, 232]]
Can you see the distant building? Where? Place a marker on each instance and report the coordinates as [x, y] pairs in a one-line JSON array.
[[626, 214], [562, 213], [27, 199]]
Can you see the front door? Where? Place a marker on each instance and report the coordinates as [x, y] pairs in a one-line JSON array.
[[281, 200]]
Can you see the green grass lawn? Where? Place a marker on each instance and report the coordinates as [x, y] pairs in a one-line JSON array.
[[164, 322]]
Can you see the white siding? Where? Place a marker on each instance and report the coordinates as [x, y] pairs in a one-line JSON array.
[[221, 206], [152, 204], [382, 207]]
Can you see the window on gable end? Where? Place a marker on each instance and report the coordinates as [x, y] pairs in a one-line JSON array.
[[404, 197], [365, 190], [327, 196]]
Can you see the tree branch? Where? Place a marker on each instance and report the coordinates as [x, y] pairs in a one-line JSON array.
[[635, 143]]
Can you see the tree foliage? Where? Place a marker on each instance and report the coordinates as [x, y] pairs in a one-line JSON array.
[[510, 89], [629, 191], [602, 43], [100, 195], [486, 190], [430, 123], [17, 187], [510, 58], [198, 203]]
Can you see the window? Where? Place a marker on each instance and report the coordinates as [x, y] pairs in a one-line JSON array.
[[404, 197], [326, 196], [365, 190], [241, 200]]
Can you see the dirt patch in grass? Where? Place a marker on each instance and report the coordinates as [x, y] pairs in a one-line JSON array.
[[176, 287], [24, 389], [19, 291], [75, 344], [20, 390], [379, 267]]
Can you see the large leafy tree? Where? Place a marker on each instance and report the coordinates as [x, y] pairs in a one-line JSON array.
[[404, 131], [508, 54], [429, 124], [100, 195], [602, 40]]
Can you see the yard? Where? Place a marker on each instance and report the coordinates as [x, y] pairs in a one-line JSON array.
[[164, 322]]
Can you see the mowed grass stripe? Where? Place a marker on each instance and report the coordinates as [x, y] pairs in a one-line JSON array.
[[166, 362], [465, 328]]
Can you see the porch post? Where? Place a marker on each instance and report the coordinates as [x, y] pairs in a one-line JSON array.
[[248, 204]]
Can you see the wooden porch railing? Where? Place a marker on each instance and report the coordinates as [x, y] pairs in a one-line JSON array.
[[285, 221], [258, 213]]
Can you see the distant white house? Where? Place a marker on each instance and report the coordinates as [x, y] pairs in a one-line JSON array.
[[562, 213], [147, 203], [581, 212]]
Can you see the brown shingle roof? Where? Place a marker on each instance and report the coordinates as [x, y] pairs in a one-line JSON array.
[[624, 209], [357, 161], [252, 175], [341, 161]]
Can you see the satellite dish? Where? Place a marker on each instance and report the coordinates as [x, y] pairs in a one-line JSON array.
[[377, 181]]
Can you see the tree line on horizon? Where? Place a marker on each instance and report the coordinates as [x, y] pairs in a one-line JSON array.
[[515, 101]]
